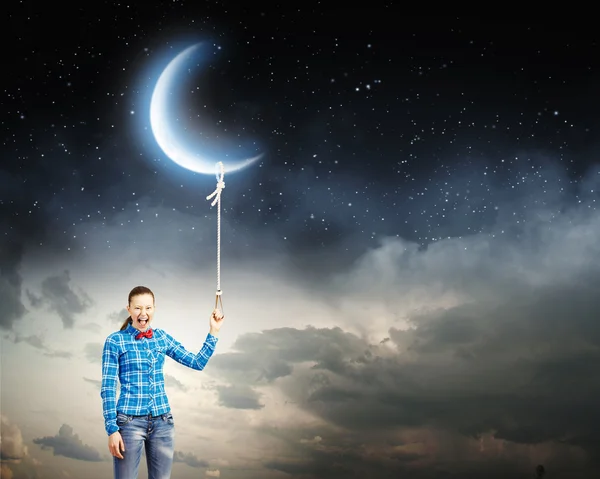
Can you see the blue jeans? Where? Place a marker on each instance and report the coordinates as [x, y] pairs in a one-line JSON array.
[[156, 435]]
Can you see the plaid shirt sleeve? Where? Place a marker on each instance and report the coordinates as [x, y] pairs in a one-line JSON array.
[[195, 361], [108, 390]]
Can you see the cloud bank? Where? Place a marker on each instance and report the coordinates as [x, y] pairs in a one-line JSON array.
[[473, 356]]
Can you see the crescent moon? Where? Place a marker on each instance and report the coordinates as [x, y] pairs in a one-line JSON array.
[[164, 133]]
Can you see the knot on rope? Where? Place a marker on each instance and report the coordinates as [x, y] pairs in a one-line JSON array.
[[220, 185], [216, 193]]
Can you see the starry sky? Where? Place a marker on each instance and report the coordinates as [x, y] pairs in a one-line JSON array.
[[409, 272]]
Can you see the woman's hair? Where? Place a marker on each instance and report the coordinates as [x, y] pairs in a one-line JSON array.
[[136, 292]]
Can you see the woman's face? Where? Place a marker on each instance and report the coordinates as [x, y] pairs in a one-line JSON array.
[[141, 310]]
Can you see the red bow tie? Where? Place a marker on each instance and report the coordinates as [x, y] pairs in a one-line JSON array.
[[144, 334]]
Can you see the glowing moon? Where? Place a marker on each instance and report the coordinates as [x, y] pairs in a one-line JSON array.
[[164, 133]]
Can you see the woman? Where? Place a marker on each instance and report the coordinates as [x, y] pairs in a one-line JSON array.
[[142, 418]]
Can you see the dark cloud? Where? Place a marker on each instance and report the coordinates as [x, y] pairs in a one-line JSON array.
[[171, 381], [238, 397], [67, 444], [525, 368], [59, 354], [95, 382], [422, 454], [117, 317], [33, 340], [34, 300], [189, 459], [93, 352], [344, 454], [265, 357], [521, 368], [38, 342], [58, 296], [10, 282]]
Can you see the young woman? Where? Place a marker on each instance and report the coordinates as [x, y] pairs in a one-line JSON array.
[[141, 418]]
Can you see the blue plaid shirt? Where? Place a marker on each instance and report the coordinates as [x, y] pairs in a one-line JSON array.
[[138, 365]]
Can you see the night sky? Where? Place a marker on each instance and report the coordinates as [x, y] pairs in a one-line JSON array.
[[410, 270]]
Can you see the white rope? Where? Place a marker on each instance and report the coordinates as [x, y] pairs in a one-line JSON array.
[[217, 200]]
